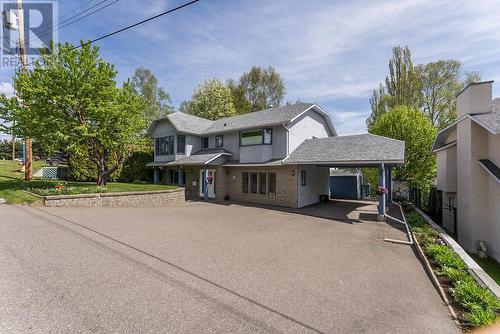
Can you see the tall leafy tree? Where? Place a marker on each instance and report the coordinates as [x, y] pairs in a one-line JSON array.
[[71, 100], [412, 126], [402, 85], [158, 100], [257, 89], [211, 100], [441, 82]]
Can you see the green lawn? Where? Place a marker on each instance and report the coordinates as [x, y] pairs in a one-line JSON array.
[[491, 267], [12, 184]]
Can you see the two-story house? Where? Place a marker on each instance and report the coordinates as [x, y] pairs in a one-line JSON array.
[[468, 160], [278, 156]]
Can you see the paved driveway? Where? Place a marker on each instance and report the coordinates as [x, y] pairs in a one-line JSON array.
[[207, 268]]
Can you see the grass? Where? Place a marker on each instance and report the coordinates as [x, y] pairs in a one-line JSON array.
[[491, 267], [12, 185], [480, 306]]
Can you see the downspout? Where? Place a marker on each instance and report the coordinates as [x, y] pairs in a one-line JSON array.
[[287, 153]]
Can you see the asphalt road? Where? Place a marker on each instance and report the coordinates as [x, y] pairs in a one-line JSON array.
[[207, 268]]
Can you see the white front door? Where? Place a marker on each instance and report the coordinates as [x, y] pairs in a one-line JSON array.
[[211, 185]]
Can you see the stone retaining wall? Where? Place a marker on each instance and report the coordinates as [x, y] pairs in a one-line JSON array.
[[123, 199]]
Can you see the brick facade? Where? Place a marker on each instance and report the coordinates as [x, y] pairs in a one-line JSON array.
[[228, 182], [127, 199]]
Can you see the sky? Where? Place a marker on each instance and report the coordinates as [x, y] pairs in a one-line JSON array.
[[333, 53]]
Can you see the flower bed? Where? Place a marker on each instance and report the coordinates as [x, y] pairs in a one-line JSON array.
[[475, 305], [62, 188]]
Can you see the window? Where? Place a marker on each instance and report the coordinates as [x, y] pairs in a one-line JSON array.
[[181, 144], [256, 137], [253, 183], [164, 145], [271, 183], [451, 204], [219, 141], [302, 177], [174, 176], [244, 182], [204, 142], [263, 183], [268, 136]]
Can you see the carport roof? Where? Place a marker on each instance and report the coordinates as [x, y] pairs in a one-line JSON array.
[[355, 150]]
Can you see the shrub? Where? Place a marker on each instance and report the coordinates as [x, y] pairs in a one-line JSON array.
[[480, 317], [456, 275], [471, 295], [444, 257], [134, 169]]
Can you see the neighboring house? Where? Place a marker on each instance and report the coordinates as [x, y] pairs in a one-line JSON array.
[[279, 156], [468, 159]]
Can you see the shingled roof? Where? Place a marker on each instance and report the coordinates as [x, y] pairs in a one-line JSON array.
[[489, 121], [362, 150], [269, 117], [184, 123]]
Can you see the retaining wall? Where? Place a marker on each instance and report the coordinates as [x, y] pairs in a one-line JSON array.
[[123, 199]]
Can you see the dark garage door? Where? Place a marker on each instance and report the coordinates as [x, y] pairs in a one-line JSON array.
[[345, 187]]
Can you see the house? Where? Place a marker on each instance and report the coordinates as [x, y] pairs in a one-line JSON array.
[[468, 160], [279, 156]]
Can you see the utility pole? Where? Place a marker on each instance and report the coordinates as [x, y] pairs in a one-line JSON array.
[[28, 172]]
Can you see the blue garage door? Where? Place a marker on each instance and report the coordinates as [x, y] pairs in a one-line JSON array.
[[345, 187]]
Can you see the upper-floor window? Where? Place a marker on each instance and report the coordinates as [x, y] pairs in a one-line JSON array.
[[219, 141], [256, 137], [204, 142], [164, 145], [181, 144]]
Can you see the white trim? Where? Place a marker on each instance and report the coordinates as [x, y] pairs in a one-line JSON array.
[[216, 157], [489, 172], [325, 115], [350, 162], [278, 164], [454, 143]]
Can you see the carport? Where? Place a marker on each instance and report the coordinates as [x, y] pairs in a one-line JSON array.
[[354, 151]]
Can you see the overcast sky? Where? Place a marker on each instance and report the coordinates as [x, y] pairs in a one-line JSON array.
[[333, 53]]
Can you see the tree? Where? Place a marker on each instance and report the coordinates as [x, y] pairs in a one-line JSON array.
[[158, 100], [402, 85], [71, 100], [258, 89], [412, 126], [211, 100], [441, 82]]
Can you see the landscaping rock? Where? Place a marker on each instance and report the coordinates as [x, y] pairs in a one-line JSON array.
[[2, 201]]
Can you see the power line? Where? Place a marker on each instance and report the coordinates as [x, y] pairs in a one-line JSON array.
[[74, 9], [134, 25], [138, 23], [51, 29]]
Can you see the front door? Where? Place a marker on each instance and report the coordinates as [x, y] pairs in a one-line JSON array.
[[211, 183]]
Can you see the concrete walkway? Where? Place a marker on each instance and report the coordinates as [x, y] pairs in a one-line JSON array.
[[202, 268]]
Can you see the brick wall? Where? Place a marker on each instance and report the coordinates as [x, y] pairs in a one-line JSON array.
[[129, 199], [286, 185]]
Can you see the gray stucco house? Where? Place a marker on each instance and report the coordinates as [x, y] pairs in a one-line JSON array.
[[279, 156], [468, 161]]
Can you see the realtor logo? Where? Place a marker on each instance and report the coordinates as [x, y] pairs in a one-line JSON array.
[[40, 27]]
